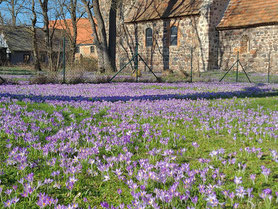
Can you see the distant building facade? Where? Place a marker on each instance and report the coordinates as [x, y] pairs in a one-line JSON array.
[[15, 45]]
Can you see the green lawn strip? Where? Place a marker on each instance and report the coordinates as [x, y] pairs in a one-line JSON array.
[[231, 77], [267, 103]]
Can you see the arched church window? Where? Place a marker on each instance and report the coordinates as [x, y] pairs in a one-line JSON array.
[[174, 36], [149, 37]]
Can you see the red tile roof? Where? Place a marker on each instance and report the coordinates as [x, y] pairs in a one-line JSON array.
[[146, 10], [249, 13], [84, 29]]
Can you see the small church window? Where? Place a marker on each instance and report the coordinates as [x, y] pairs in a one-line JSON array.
[[149, 37], [244, 44], [174, 36]]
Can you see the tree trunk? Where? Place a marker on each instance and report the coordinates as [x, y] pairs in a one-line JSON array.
[[37, 65], [107, 64], [96, 36], [105, 61], [13, 13], [44, 7], [112, 33], [71, 27], [73, 4]]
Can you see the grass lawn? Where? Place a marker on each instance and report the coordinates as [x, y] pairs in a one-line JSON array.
[[174, 153]]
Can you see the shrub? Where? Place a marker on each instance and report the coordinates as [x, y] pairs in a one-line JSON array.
[[50, 77], [86, 64]]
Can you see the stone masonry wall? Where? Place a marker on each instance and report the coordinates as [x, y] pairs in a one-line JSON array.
[[160, 56], [215, 14], [258, 48], [198, 32]]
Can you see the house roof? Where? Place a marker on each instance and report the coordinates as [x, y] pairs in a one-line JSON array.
[[249, 13], [84, 29], [17, 38], [20, 38], [145, 10]]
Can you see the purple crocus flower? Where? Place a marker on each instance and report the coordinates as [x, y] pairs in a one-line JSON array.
[[253, 177], [8, 191], [240, 192], [232, 195], [104, 205], [44, 200], [267, 191], [8, 203], [265, 172], [30, 177], [69, 185], [195, 144], [249, 192], [212, 200], [238, 180], [235, 205], [15, 200], [119, 191], [194, 200], [225, 193]]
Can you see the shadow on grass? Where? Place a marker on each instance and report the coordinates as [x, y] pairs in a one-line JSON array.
[[254, 91]]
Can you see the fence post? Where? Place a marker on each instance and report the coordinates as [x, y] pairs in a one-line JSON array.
[[136, 60], [191, 67], [268, 70], [64, 60], [237, 66]]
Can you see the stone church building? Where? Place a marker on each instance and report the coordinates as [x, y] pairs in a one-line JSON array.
[[213, 31]]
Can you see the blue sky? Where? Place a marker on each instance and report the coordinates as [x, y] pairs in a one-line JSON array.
[[24, 17]]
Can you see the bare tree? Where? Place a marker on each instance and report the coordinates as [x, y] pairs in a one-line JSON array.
[[70, 7], [44, 8], [106, 50], [14, 7], [37, 65], [48, 33]]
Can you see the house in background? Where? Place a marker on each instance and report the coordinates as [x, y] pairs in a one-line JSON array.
[[85, 41], [16, 45]]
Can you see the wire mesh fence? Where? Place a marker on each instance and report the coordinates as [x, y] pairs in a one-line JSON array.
[[84, 70], [24, 75]]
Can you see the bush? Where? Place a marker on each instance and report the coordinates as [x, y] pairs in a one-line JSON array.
[[75, 76], [101, 79], [86, 64], [50, 77]]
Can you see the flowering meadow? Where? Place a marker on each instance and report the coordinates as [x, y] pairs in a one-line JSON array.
[[135, 145]]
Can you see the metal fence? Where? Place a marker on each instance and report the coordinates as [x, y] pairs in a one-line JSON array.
[[234, 73]]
